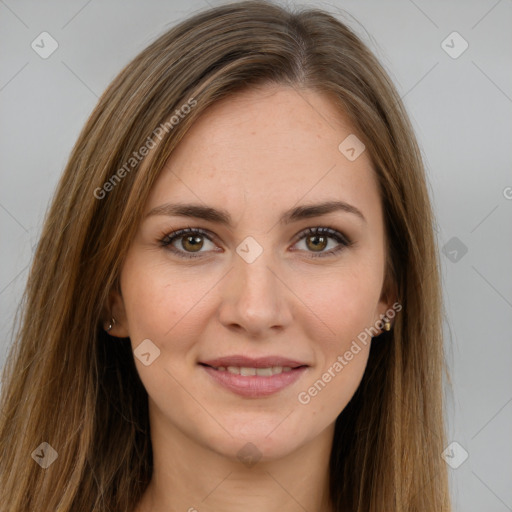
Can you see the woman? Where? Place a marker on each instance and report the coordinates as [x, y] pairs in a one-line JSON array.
[[235, 302]]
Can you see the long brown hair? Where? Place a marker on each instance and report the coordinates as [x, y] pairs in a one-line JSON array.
[[66, 382]]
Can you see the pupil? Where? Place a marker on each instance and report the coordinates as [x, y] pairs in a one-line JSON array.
[[196, 242], [320, 244]]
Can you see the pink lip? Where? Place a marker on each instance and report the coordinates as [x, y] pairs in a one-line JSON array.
[[255, 386], [253, 362]]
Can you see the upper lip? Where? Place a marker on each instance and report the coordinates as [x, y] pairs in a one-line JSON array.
[[256, 362]]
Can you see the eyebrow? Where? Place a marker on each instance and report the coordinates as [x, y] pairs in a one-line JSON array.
[[223, 217]]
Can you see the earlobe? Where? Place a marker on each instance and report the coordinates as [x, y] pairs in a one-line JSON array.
[[115, 323], [387, 307], [387, 310], [384, 317]]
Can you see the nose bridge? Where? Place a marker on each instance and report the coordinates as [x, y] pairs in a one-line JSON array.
[[252, 269], [254, 297]]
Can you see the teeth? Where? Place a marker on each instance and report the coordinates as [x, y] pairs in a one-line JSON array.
[[264, 372], [249, 372]]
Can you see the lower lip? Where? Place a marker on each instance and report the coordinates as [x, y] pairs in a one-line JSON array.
[[255, 385]]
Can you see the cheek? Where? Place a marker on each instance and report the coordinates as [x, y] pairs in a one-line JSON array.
[[341, 366], [344, 304], [160, 300], [162, 305], [329, 390]]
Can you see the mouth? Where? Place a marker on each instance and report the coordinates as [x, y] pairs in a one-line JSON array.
[[254, 378], [247, 371]]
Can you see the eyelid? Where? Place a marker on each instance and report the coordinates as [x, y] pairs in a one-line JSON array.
[[187, 230], [321, 230]]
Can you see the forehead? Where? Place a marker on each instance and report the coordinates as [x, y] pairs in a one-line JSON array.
[[267, 146]]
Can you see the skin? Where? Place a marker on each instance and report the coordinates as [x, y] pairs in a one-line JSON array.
[[255, 154]]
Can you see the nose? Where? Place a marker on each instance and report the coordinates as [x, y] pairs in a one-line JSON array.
[[255, 297]]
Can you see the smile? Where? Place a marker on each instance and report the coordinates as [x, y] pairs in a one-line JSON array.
[[253, 382], [248, 372]]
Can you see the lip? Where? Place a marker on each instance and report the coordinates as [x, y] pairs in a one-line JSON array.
[[254, 386], [253, 362]]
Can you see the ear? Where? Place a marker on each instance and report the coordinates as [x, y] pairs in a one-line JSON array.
[[388, 304], [116, 310]]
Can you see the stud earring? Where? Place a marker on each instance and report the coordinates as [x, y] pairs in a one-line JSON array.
[[111, 324], [387, 325]]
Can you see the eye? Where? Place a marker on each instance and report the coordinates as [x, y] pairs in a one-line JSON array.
[[188, 242], [317, 239], [190, 239]]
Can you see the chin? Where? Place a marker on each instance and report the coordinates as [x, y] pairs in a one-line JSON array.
[[256, 441]]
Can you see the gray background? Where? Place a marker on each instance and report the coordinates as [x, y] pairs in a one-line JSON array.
[[462, 113]]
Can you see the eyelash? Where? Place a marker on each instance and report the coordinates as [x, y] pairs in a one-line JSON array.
[[344, 242]]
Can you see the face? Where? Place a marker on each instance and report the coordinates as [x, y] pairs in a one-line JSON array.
[[291, 293]]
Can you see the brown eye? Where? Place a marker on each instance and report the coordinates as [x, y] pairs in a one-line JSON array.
[[187, 243], [316, 242], [192, 243]]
